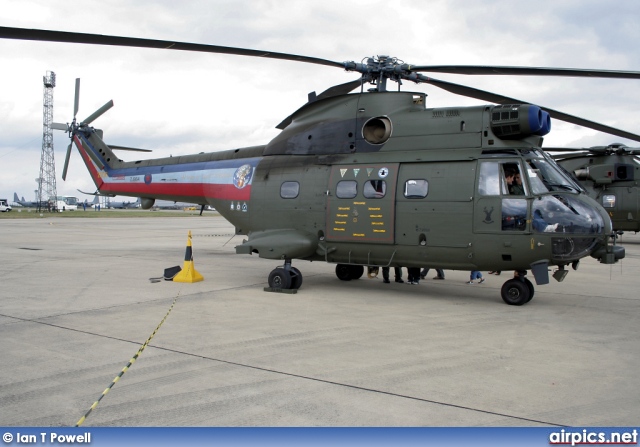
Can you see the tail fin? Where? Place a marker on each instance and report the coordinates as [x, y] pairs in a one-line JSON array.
[[97, 156], [15, 197]]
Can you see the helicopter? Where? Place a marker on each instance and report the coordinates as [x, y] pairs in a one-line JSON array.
[[610, 175], [376, 178]]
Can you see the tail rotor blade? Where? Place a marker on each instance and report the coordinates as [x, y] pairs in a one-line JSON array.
[[66, 163], [98, 112], [59, 126], [76, 101]]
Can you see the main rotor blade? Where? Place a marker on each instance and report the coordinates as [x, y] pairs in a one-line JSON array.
[[500, 99], [525, 71], [76, 100], [101, 39], [66, 162], [98, 112], [594, 150]]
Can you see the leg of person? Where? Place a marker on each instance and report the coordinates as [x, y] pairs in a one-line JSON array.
[[414, 275], [385, 275], [398, 272]]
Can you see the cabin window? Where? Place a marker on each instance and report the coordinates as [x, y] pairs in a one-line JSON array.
[[375, 189], [289, 190], [416, 189], [347, 189]]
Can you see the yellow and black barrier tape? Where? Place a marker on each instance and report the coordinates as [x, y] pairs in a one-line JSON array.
[[131, 362]]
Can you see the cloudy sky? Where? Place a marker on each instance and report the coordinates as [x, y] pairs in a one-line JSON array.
[[181, 102]]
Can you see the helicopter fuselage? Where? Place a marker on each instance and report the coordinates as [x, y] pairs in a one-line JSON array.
[[377, 179]]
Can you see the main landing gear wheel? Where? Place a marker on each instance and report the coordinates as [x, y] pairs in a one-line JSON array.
[[296, 278], [347, 272], [517, 292], [283, 278], [531, 289], [279, 278]]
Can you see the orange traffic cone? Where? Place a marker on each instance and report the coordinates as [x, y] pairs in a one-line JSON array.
[[189, 272]]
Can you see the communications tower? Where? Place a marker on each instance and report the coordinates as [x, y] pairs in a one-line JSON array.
[[47, 180]]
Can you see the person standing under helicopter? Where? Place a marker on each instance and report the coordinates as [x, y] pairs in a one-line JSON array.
[[398, 274], [413, 274], [425, 272]]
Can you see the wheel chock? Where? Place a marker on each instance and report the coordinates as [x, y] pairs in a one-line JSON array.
[[273, 289]]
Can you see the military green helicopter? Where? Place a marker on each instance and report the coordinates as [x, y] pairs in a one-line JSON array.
[[376, 178], [610, 175]]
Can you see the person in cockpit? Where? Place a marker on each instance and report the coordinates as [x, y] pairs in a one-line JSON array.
[[516, 187], [540, 225]]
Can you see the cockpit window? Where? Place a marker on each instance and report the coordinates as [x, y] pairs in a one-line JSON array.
[[564, 214], [501, 178], [544, 176]]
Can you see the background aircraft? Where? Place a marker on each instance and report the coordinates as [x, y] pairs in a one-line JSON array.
[[610, 175], [23, 202]]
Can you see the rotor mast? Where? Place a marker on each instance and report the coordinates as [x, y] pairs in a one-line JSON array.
[[47, 179], [377, 69]]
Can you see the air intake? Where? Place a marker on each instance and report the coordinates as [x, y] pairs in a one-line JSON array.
[[513, 121]]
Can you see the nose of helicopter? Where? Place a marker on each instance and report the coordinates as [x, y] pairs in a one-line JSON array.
[[579, 227]]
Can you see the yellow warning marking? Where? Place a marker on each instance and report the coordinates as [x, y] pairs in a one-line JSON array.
[[131, 362], [338, 229], [359, 203], [375, 216], [379, 231], [337, 222], [377, 223], [532, 242], [342, 215], [374, 209], [358, 235], [344, 208]]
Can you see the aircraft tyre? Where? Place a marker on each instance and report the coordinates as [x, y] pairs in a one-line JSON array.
[[531, 289], [296, 278], [346, 272], [279, 278], [516, 292], [357, 271], [343, 272]]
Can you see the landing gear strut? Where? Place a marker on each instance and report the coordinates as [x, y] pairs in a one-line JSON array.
[[517, 291], [285, 277]]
